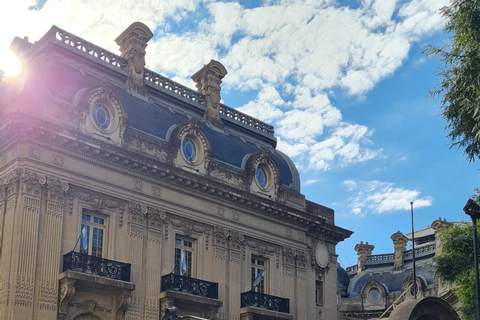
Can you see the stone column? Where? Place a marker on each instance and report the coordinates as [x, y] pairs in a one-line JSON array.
[[50, 249], [399, 245], [133, 42], [363, 250], [208, 80]]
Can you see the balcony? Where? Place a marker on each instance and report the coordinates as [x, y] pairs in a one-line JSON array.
[[264, 301], [193, 296], [87, 264], [197, 287]]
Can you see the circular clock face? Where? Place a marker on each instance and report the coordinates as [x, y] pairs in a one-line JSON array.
[[321, 255]]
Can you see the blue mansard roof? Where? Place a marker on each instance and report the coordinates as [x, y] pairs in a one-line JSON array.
[[170, 105]]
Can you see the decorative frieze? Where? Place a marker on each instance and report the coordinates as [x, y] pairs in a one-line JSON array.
[[265, 249], [142, 142], [227, 175], [138, 213], [34, 153], [156, 218], [91, 306], [58, 160], [56, 190], [188, 227], [11, 181], [32, 183], [220, 238]]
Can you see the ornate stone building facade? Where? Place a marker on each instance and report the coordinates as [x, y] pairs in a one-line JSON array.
[[125, 193], [381, 286]]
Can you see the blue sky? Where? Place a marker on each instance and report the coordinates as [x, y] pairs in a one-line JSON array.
[[343, 82]]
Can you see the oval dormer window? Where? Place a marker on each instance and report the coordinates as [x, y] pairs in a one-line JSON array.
[[189, 150], [374, 294], [261, 177], [101, 116]]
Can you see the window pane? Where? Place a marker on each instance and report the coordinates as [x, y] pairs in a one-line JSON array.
[[92, 235]]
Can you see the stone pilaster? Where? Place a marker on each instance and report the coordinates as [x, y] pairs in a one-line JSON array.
[[301, 287], [133, 42], [208, 80], [220, 263], [153, 263], [289, 281], [25, 228], [399, 245], [136, 227], [235, 248], [50, 249], [363, 250], [11, 194]]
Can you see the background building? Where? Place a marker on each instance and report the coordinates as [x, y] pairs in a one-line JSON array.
[[381, 285], [126, 193]]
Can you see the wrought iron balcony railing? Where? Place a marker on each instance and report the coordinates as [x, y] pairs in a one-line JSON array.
[[265, 301], [96, 266], [197, 287]]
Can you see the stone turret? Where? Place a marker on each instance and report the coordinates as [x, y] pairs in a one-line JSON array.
[[363, 250], [399, 245], [208, 80], [133, 42]]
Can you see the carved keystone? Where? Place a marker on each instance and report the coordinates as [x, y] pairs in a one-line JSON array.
[[208, 80], [133, 42], [363, 250], [399, 245]]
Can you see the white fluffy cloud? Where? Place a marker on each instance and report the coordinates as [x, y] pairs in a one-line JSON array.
[[382, 197], [290, 55]]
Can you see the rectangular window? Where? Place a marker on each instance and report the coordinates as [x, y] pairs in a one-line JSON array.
[[92, 235], [184, 254], [258, 274], [319, 292]]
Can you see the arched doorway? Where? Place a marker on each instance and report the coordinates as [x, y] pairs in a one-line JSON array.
[[429, 308]]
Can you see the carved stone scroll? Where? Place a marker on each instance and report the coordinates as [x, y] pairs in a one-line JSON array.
[[133, 42], [208, 80]]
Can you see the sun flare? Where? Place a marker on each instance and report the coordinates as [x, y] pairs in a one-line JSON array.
[[9, 63]]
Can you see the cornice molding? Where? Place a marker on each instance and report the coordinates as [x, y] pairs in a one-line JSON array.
[[163, 174]]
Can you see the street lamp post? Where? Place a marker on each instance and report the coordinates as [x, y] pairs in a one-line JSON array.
[[473, 210], [413, 256]]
